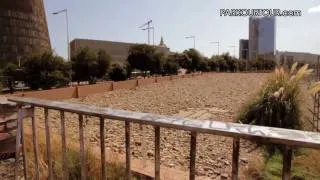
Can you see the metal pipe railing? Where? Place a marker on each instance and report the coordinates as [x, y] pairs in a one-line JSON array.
[[286, 137]]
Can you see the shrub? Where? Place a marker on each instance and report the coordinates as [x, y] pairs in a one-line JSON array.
[[141, 57], [195, 57], [242, 65], [277, 104], [171, 66], [84, 65], [203, 66], [103, 63], [45, 71], [213, 65], [118, 72]]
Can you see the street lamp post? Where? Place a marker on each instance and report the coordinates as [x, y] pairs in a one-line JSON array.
[[68, 45], [218, 44], [67, 21], [194, 40]]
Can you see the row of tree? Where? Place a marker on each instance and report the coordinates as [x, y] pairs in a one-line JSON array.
[[49, 70], [146, 58]]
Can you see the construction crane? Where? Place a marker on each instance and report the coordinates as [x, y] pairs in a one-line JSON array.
[[148, 28]]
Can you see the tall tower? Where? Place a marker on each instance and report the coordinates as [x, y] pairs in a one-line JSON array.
[[262, 37], [23, 29]]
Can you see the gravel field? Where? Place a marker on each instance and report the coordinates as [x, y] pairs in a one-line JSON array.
[[215, 96]]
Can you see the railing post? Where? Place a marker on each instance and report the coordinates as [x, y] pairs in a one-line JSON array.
[[103, 151], [35, 146], [82, 154], [128, 151], [235, 158], [193, 150], [48, 143], [287, 157], [23, 151], [18, 141], [157, 153], [64, 147]]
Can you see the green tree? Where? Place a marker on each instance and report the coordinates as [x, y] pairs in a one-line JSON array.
[[204, 66], [45, 71], [85, 66], [11, 74], [118, 72], [195, 57], [232, 64], [103, 63], [141, 57], [213, 64], [183, 60], [171, 65]]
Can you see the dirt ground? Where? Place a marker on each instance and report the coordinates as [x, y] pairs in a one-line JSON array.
[[215, 96]]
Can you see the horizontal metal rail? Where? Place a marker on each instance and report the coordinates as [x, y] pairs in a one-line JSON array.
[[286, 137]]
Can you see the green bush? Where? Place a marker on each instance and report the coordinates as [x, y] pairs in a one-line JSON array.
[[118, 72], [171, 66], [213, 65], [45, 71], [277, 104], [242, 65], [195, 57]]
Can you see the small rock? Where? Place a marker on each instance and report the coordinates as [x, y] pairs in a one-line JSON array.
[[150, 154], [244, 160], [224, 176], [137, 143], [216, 172], [171, 165]]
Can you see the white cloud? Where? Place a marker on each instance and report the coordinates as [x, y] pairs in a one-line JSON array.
[[314, 9]]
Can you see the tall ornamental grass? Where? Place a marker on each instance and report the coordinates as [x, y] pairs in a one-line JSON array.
[[278, 102]]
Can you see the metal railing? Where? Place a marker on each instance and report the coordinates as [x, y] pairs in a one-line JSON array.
[[288, 138]]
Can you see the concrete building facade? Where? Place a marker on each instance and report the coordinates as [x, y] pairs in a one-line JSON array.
[[262, 37], [23, 29], [244, 49], [288, 58], [118, 50]]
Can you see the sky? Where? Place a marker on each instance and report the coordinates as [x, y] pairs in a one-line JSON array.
[[118, 20]]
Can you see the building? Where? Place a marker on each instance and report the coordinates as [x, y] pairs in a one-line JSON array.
[[288, 58], [118, 50], [262, 37], [244, 49], [23, 29]]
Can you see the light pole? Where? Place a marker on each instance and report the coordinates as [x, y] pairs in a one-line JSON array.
[[67, 21], [148, 28], [218, 44], [194, 40], [152, 33]]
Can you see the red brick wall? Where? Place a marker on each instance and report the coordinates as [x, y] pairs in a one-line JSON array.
[[129, 84], [94, 89]]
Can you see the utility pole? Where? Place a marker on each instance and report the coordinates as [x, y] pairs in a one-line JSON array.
[[218, 44], [194, 40], [234, 50], [148, 28], [152, 28]]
